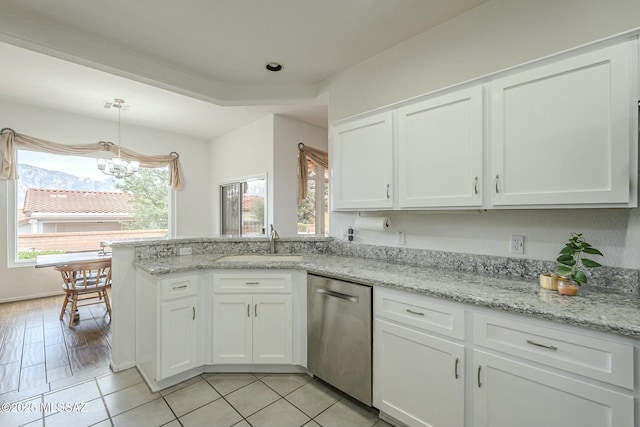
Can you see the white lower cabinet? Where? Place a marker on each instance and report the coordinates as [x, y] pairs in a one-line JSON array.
[[178, 336], [509, 393], [252, 328], [168, 326], [418, 377], [252, 318], [520, 371]]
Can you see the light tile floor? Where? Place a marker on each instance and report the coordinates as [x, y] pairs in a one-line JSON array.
[[51, 375], [259, 400]]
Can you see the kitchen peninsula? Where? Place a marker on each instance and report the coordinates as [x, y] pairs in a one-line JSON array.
[[492, 300]]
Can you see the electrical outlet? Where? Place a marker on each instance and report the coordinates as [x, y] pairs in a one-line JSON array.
[[516, 245], [401, 240], [185, 251]]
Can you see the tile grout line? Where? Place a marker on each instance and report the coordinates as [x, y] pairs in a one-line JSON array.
[[104, 402]]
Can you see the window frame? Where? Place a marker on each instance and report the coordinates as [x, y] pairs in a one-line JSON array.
[[12, 222], [242, 180], [320, 187]]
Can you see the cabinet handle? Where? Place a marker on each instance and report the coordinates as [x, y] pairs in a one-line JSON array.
[[415, 312], [252, 283], [497, 182], [456, 367], [194, 313], [479, 369], [388, 196], [255, 310], [475, 185], [549, 347], [248, 310], [175, 288]]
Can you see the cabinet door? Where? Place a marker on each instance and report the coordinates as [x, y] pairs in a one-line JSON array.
[[362, 163], [179, 336], [563, 133], [232, 318], [509, 393], [272, 329], [440, 151], [418, 378]]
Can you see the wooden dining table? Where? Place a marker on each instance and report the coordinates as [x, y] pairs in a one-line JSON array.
[[56, 260]]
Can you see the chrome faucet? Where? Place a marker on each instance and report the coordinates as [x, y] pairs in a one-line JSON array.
[[273, 235]]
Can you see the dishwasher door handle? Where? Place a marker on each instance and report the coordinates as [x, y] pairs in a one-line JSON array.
[[339, 295]]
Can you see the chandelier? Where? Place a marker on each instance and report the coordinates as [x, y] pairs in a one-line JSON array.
[[115, 166]]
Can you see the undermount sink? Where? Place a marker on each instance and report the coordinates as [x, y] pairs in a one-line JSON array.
[[261, 258]]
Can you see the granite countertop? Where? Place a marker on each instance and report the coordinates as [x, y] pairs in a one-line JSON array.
[[612, 312]]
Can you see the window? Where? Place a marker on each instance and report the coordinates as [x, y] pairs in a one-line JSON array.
[[313, 212], [65, 204], [242, 206]]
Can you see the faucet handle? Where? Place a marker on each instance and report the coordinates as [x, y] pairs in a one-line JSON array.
[[273, 233]]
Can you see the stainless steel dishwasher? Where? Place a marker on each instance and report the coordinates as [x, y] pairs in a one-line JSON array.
[[339, 335]]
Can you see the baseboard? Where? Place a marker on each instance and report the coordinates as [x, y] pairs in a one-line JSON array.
[[28, 297], [121, 366]]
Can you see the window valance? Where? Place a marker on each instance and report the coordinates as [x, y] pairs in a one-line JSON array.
[[308, 154], [11, 139]]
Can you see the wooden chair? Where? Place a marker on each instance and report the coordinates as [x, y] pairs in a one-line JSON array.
[[84, 281]]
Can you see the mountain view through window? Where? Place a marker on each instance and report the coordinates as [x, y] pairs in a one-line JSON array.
[[65, 204]]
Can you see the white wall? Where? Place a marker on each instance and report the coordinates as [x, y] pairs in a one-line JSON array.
[[73, 129], [242, 153], [288, 133], [267, 145], [496, 35]]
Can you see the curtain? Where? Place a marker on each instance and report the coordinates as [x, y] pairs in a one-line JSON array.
[[308, 154], [11, 139]]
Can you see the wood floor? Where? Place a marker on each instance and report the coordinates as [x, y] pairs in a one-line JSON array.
[[37, 348]]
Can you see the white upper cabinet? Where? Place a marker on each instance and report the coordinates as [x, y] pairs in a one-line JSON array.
[[553, 134], [362, 163], [563, 133], [440, 151]]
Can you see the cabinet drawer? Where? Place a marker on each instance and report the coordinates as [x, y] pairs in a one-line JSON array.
[[178, 287], [252, 283], [419, 311], [603, 360]]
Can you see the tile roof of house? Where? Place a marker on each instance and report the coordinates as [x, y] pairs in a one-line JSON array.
[[73, 201]]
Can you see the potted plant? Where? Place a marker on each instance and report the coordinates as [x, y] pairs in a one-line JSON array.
[[572, 265]]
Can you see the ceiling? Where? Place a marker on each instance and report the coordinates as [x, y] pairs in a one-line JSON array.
[[196, 67]]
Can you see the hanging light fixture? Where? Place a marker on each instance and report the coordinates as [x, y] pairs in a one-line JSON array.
[[115, 166]]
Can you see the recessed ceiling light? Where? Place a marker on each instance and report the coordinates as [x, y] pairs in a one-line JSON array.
[[273, 66]]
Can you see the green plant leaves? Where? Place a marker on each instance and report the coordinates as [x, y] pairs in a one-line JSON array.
[[589, 263], [592, 251], [579, 277], [564, 270], [570, 262], [566, 259]]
